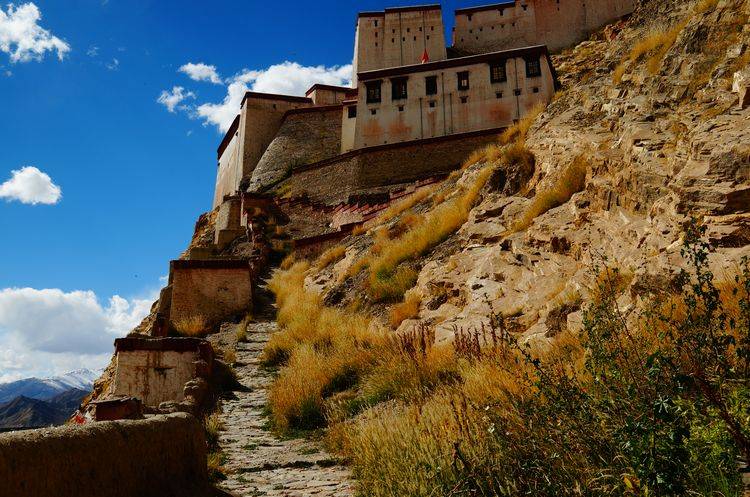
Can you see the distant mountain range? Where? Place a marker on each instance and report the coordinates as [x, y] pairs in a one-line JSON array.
[[37, 402]]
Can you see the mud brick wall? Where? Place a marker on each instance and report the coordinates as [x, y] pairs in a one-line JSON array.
[[215, 289], [163, 456]]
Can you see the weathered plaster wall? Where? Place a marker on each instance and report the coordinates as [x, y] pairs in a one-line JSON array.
[[153, 376], [397, 37], [305, 136], [215, 289], [229, 170], [163, 456], [485, 104], [228, 224], [555, 23]]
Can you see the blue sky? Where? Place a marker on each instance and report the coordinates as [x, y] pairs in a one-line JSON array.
[[133, 176]]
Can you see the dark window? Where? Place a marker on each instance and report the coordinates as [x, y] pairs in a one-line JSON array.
[[432, 103], [499, 94], [373, 111], [536, 89], [517, 92], [352, 111], [373, 92], [376, 24], [463, 80], [376, 34], [497, 72], [398, 89], [464, 100], [400, 108], [533, 68], [430, 83]]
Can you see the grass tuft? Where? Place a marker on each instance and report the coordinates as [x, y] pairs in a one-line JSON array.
[[333, 254], [572, 181], [192, 326]]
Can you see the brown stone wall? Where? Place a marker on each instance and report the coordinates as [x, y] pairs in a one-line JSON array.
[[305, 137], [216, 289], [163, 456], [357, 173]]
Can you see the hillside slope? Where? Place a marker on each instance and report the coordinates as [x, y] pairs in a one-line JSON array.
[[569, 313]]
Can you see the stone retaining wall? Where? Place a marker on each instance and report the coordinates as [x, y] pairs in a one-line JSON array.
[[339, 179], [164, 456]]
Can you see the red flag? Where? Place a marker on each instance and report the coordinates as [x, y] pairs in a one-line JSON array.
[[425, 57]]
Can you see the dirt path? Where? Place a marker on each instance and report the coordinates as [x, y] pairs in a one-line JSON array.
[[258, 462]]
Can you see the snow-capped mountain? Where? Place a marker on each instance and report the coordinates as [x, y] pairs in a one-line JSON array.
[[46, 388]]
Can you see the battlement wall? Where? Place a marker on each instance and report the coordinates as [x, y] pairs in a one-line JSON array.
[[157, 457]]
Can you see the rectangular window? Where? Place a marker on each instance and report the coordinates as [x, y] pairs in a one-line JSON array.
[[352, 109], [430, 83], [398, 89], [533, 68], [373, 92], [497, 72], [463, 80]]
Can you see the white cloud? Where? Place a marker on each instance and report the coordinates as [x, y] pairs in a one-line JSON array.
[[114, 65], [287, 78], [29, 185], [46, 332], [201, 72], [93, 51], [23, 39], [172, 99]]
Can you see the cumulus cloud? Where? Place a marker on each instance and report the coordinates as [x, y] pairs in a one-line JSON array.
[[29, 185], [287, 78], [50, 331], [23, 39], [201, 72], [172, 99]]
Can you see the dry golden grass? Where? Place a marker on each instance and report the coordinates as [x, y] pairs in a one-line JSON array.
[[705, 5], [518, 131], [229, 356], [288, 261], [213, 425], [655, 45], [402, 205], [192, 326], [572, 180], [333, 254], [321, 348], [359, 230], [390, 287], [438, 224], [407, 309]]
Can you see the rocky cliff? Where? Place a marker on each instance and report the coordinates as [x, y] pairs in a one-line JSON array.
[[648, 108]]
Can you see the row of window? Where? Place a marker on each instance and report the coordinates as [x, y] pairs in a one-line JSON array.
[[352, 109], [399, 86]]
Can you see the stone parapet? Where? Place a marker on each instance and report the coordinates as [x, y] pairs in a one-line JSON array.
[[163, 456]]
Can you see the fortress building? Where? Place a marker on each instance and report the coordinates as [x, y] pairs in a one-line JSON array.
[[415, 110]]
